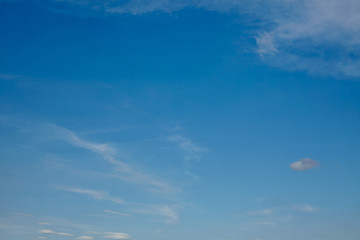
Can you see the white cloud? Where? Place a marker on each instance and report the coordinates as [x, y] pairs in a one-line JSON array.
[[116, 235], [169, 213], [116, 213], [64, 234], [294, 34], [318, 36], [304, 164], [109, 153], [94, 194], [49, 231], [85, 238], [305, 208], [46, 231]]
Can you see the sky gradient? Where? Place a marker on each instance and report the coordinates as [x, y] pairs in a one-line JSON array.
[[169, 120]]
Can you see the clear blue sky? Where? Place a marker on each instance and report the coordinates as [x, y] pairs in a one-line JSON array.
[[170, 120]]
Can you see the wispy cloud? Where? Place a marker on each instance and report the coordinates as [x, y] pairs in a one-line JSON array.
[[302, 38], [304, 164], [109, 153], [294, 34], [169, 213], [191, 150], [49, 231], [116, 213], [94, 194], [116, 235], [185, 143]]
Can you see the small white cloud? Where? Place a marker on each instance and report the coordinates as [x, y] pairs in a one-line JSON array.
[[116, 235], [49, 231], [305, 208], [85, 238], [304, 164], [46, 231], [63, 234]]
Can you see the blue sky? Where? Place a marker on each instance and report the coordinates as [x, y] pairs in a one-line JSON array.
[[165, 120]]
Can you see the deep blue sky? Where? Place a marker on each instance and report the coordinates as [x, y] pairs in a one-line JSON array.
[[171, 120]]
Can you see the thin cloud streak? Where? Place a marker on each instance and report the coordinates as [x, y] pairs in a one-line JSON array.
[[116, 235], [94, 194], [51, 232], [117, 213], [108, 152], [169, 213]]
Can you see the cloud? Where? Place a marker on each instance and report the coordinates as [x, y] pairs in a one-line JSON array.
[[109, 153], [49, 231], [116, 213], [169, 213], [94, 194], [320, 37], [85, 238], [305, 208], [116, 235], [317, 36], [191, 150], [184, 143], [304, 164], [46, 231], [64, 234]]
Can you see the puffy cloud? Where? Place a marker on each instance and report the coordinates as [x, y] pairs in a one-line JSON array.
[[304, 164]]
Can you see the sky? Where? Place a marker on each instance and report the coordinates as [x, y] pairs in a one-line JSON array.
[[183, 119]]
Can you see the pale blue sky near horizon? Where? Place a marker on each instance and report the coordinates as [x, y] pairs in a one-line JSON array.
[[164, 120]]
